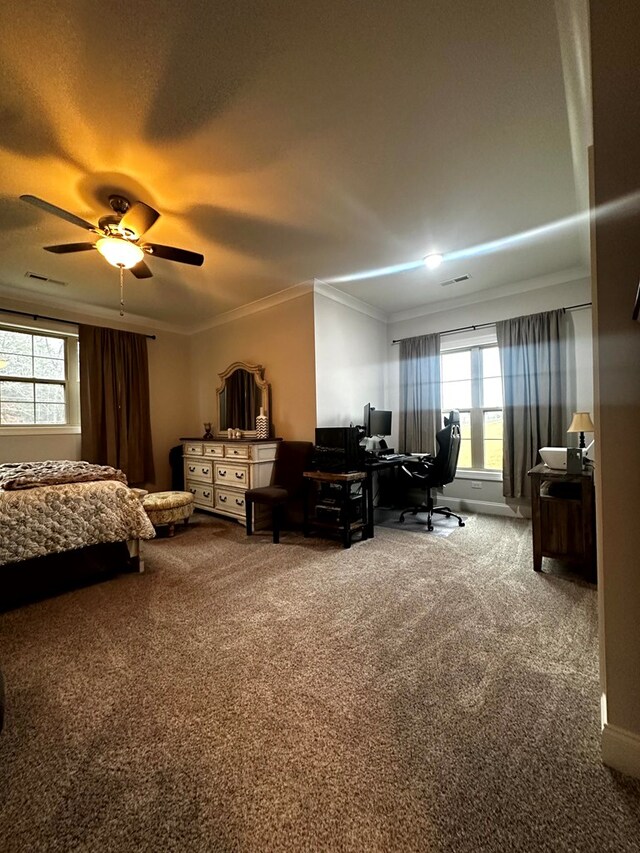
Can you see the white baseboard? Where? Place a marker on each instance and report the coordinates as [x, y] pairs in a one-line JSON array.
[[463, 505], [621, 750]]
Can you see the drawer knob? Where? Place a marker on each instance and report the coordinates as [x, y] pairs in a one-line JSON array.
[[239, 502], [223, 499], [192, 468], [207, 494], [222, 473], [205, 470], [239, 475], [193, 491]]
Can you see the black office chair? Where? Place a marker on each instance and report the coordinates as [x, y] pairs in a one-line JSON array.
[[432, 472], [293, 458]]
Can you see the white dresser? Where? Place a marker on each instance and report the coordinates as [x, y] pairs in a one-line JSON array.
[[218, 472]]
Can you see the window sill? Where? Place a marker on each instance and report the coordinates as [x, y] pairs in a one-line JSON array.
[[62, 429], [487, 476]]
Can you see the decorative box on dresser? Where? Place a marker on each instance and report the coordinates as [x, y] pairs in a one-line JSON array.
[[218, 472]]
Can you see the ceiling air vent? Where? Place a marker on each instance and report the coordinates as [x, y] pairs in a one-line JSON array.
[[455, 280], [44, 279]]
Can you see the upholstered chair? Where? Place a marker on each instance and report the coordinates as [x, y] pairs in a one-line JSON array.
[[293, 458]]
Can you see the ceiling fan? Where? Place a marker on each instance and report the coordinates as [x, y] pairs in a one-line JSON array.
[[120, 235]]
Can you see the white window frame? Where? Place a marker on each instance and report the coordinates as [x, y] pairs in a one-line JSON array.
[[71, 381], [475, 341]]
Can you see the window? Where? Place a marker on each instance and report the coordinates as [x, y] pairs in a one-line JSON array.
[[472, 383], [38, 370]]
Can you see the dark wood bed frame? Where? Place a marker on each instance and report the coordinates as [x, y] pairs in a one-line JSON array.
[[42, 577]]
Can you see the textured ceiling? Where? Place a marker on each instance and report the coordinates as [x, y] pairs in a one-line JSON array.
[[286, 141]]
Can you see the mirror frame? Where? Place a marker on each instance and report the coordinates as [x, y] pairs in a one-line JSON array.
[[258, 377]]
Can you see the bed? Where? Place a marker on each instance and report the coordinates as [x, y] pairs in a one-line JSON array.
[[67, 507]]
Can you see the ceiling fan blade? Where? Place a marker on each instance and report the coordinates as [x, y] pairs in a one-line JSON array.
[[58, 211], [170, 253], [138, 219], [141, 270], [65, 248]]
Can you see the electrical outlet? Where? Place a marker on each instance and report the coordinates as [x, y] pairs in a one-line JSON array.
[[476, 484]]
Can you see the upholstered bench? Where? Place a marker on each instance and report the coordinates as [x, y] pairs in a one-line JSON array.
[[167, 508]]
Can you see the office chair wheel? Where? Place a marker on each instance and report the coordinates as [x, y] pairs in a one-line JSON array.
[[460, 523], [429, 526]]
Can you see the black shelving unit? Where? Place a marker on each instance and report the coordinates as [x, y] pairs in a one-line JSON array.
[[331, 505]]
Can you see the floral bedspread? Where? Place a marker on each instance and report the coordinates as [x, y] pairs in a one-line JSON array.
[[51, 519]]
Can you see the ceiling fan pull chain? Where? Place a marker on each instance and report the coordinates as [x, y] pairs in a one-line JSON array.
[[122, 291]]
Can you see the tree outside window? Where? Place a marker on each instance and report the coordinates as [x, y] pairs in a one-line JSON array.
[[33, 382]]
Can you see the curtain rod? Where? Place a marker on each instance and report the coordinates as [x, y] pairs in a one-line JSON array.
[[486, 325], [53, 319]]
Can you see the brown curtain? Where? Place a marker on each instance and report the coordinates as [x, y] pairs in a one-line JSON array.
[[532, 359], [114, 401], [420, 407]]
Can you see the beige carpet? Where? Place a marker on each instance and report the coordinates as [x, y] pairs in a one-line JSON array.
[[415, 693]]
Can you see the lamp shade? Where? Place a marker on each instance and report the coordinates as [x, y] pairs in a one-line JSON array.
[[119, 252], [581, 423]]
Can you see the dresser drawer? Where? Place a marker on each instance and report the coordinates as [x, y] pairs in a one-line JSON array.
[[199, 471], [232, 475], [237, 451], [215, 450], [203, 494], [192, 449], [230, 500]]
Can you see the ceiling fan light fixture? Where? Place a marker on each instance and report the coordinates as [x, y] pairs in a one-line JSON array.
[[119, 252], [433, 261]]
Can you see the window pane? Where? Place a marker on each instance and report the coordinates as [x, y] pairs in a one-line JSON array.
[[493, 441], [464, 459], [493, 454], [456, 365], [17, 365], [50, 413], [491, 362], [32, 356], [48, 347], [493, 425], [15, 342], [17, 392], [456, 395], [49, 393], [48, 368], [465, 424], [492, 392], [17, 413]]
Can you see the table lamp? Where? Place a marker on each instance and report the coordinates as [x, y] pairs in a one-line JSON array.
[[581, 423]]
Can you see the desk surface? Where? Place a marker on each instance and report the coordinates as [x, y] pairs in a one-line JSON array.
[[384, 462], [335, 476], [559, 473]]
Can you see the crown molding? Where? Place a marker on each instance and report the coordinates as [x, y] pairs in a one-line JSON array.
[[289, 293], [30, 301], [561, 277], [343, 298]]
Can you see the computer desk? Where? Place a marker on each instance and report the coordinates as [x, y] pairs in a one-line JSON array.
[[372, 466], [343, 524]]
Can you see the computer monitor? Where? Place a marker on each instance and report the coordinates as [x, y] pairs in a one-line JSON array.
[[376, 421], [380, 422]]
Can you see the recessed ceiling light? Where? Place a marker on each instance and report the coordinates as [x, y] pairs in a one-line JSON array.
[[433, 261]]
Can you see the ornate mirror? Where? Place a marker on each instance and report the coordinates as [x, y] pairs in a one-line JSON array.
[[241, 395]]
